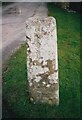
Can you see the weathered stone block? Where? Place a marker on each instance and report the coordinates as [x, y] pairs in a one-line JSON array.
[[42, 61]]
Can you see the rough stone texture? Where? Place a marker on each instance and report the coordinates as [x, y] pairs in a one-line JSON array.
[[42, 61]]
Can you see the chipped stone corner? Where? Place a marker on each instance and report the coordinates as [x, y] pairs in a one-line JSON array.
[[42, 60]]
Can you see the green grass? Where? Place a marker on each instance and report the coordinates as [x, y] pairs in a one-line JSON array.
[[15, 84]]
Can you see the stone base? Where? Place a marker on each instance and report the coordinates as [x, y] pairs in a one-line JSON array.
[[42, 60]]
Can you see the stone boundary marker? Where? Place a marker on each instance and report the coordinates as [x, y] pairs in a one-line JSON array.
[[42, 60]]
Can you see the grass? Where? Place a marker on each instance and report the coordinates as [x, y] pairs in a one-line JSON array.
[[15, 84]]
